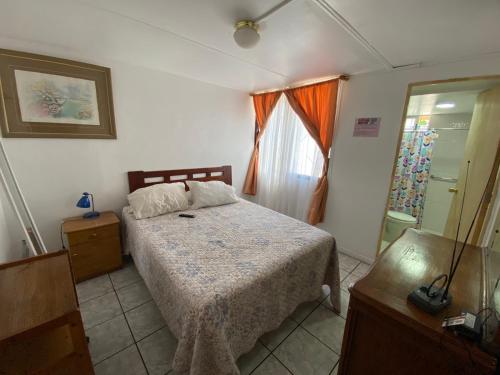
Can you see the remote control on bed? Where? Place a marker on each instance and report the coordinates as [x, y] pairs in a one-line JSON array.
[[187, 215]]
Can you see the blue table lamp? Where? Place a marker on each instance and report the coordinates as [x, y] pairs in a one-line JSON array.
[[86, 201]]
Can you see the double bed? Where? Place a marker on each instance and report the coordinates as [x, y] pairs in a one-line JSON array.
[[227, 276]]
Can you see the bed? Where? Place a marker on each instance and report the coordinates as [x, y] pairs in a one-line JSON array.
[[229, 275]]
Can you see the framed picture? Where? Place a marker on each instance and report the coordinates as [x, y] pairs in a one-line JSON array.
[[48, 97]]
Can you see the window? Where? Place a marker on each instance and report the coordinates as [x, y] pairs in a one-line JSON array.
[[410, 124], [287, 139], [307, 161], [290, 163]]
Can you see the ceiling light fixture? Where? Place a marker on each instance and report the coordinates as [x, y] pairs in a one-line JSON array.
[[246, 34], [445, 105]]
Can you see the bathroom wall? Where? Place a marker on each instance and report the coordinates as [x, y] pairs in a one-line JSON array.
[[446, 158]]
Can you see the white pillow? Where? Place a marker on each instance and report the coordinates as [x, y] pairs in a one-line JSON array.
[[158, 199], [211, 193]]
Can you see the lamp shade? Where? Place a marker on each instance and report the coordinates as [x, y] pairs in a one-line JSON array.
[[84, 201], [246, 34]]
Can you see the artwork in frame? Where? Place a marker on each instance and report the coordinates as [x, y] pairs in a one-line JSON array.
[[52, 98], [48, 97]]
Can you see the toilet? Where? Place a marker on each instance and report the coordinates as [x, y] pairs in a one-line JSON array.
[[396, 223]]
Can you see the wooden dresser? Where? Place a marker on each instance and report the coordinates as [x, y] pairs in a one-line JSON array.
[[386, 334], [41, 330], [94, 244]]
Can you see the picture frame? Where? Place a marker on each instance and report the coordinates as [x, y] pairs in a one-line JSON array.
[[49, 97]]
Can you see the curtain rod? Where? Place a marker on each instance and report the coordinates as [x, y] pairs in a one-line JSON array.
[[342, 77]]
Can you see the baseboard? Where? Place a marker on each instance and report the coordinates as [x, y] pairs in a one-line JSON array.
[[356, 255]]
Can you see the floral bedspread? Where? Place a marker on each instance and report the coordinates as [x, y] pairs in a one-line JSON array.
[[229, 275]]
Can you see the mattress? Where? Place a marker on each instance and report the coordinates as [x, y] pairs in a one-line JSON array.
[[229, 275]]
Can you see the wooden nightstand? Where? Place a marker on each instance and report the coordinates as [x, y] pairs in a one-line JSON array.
[[94, 244]]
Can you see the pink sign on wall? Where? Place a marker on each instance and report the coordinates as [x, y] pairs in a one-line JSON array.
[[366, 127]]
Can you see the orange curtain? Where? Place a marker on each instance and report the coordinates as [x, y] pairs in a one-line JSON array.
[[316, 106], [263, 105]]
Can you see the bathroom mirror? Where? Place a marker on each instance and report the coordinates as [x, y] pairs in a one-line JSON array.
[[445, 125]]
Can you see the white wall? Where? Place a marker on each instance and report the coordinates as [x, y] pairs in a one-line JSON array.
[[361, 168], [163, 122]]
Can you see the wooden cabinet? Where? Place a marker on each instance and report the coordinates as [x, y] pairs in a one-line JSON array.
[[41, 330], [94, 244], [386, 334]]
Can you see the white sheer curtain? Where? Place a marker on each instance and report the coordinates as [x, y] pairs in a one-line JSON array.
[[290, 164]]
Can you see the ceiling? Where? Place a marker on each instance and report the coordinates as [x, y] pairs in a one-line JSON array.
[[306, 39], [471, 84], [426, 104], [462, 93], [430, 31]]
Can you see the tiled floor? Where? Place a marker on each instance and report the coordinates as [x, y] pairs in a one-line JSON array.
[[128, 334]]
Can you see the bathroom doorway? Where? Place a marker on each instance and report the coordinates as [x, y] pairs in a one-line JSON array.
[[446, 124]]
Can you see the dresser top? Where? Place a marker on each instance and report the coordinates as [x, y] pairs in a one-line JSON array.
[[34, 291], [415, 259], [78, 223]]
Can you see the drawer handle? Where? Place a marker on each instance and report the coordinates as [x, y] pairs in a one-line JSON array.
[[93, 235], [75, 254]]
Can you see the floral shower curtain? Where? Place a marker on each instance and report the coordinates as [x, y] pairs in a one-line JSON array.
[[412, 173]]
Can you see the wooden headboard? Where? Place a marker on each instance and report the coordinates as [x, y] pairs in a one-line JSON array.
[[140, 179]]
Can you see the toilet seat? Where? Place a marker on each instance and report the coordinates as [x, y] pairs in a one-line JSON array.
[[396, 224], [401, 217]]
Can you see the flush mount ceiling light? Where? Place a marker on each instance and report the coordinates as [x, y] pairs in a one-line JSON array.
[[445, 105], [246, 34]]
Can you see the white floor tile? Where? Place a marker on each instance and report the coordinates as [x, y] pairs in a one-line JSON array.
[[92, 288], [133, 295], [126, 362], [304, 354], [144, 320], [272, 339], [125, 276], [158, 351], [327, 326], [249, 361], [100, 309], [108, 338], [347, 263], [271, 366]]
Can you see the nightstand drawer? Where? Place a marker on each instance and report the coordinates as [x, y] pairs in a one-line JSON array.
[[95, 257], [94, 234]]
